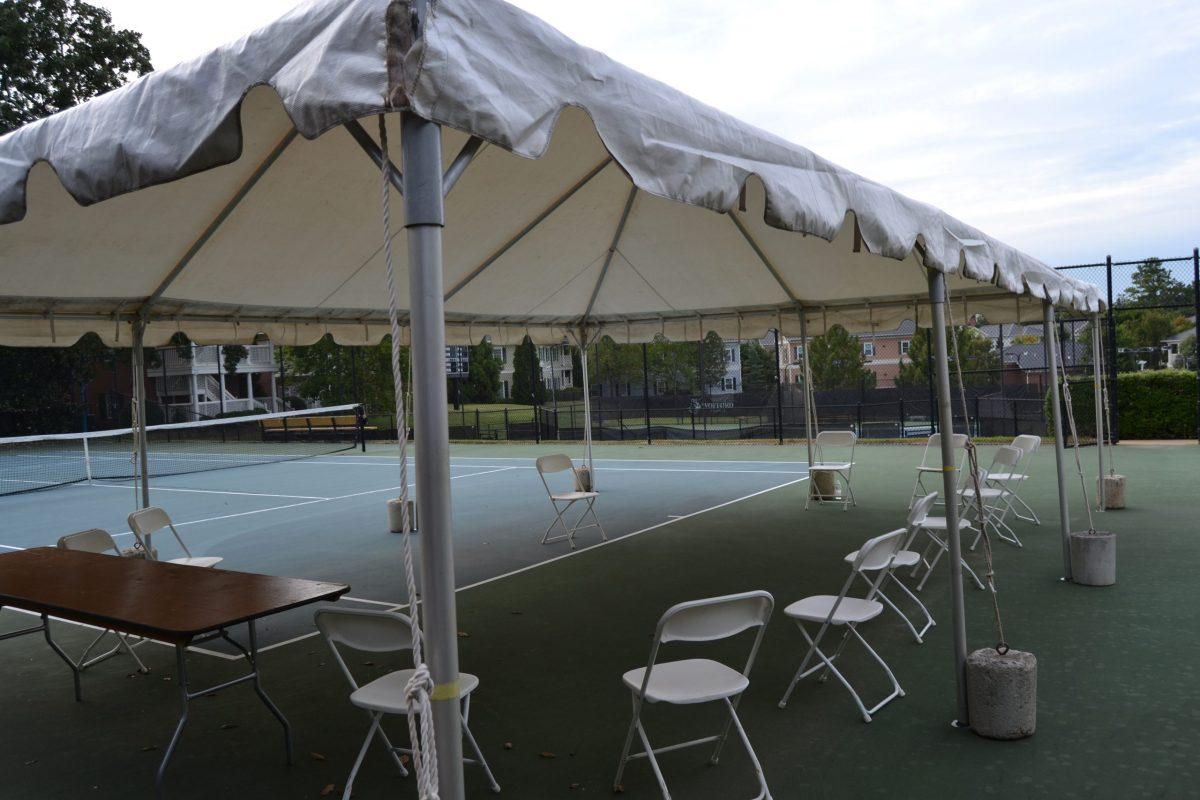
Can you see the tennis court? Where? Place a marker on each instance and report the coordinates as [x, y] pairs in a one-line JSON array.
[[324, 516]]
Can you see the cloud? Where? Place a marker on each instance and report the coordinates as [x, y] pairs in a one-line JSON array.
[[1068, 128]]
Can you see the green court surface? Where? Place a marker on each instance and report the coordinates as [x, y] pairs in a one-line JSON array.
[[1119, 681]]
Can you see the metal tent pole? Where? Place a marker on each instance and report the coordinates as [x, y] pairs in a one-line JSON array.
[[1196, 327], [138, 361], [587, 402], [778, 387], [1098, 402], [646, 388], [1114, 405], [1060, 456], [808, 419], [941, 363], [424, 219]]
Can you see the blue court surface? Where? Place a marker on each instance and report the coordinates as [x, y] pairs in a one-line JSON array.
[[325, 517]]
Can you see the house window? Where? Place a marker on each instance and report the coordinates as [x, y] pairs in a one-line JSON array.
[[904, 343], [730, 355], [869, 349], [498, 352], [799, 352], [729, 384]]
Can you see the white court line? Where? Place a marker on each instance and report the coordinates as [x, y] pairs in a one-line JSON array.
[[10, 547], [672, 520], [311, 502], [127, 487]]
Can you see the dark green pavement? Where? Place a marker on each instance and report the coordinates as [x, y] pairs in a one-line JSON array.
[[1119, 683]]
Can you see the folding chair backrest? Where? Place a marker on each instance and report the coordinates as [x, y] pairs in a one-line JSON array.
[[1026, 442], [90, 541], [1006, 457], [834, 440], [554, 463], [715, 618], [150, 520], [921, 509], [878, 552], [366, 630]]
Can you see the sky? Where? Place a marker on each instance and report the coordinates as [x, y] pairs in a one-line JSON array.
[[1067, 128]]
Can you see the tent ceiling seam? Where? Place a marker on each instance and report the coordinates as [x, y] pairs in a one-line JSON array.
[[612, 249], [219, 220], [766, 262], [538, 220]]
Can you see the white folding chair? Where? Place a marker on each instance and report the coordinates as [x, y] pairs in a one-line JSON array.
[[99, 541], [903, 558], [697, 680], [1028, 444], [371, 631], [931, 463], [994, 495], [562, 502], [834, 454], [827, 611], [149, 521], [939, 545]]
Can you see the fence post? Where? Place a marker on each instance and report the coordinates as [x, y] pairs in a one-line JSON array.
[[507, 436], [620, 421], [1196, 300], [693, 424], [1115, 433], [478, 430], [859, 413], [902, 436], [646, 389], [978, 422], [778, 387], [933, 415]]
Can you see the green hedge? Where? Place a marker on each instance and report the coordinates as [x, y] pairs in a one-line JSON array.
[[1153, 404]]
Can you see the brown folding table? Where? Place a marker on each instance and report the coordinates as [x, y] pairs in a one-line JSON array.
[[171, 603]]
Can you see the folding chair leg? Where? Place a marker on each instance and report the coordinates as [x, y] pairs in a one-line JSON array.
[[1033, 517], [929, 620], [479, 755], [662, 783], [763, 792], [559, 521], [362, 752], [887, 601], [827, 663], [637, 710], [591, 509]]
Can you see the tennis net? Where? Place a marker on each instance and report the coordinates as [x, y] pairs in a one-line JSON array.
[[30, 463]]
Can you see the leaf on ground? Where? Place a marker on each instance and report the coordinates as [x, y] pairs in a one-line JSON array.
[[146, 748], [316, 756], [464, 635], [619, 789], [328, 790], [573, 786], [404, 759], [31, 762], [508, 745], [547, 754], [228, 726]]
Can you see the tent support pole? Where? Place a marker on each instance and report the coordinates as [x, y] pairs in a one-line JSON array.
[[937, 299], [1060, 446], [138, 362], [587, 402], [424, 219], [1098, 403], [372, 150], [808, 419]]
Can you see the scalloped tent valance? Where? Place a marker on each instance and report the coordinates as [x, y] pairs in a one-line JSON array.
[[227, 197]]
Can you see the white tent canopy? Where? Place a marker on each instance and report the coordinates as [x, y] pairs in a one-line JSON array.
[[230, 196], [281, 238]]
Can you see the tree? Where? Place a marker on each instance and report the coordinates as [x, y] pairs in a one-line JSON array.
[[527, 384], [759, 369], [671, 364], [617, 364], [231, 356], [1187, 351], [1153, 285], [55, 54], [326, 371], [836, 360], [1144, 330], [576, 368], [977, 351], [712, 360], [483, 374]]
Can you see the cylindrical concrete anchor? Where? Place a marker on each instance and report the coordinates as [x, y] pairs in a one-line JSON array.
[[583, 479], [1002, 693], [825, 484], [1113, 489], [1094, 558], [395, 520]]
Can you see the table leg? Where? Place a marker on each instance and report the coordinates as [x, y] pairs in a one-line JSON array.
[[54, 646], [262, 695], [181, 668]]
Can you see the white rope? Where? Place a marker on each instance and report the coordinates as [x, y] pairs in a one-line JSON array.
[[1066, 396], [419, 689]]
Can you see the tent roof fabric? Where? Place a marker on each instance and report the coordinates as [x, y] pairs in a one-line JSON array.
[[600, 196]]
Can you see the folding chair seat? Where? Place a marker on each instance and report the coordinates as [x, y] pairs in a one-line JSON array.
[[939, 545], [931, 463], [834, 465], [840, 610], [697, 680], [99, 541], [1013, 480], [149, 521], [562, 502], [371, 631], [903, 558]]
